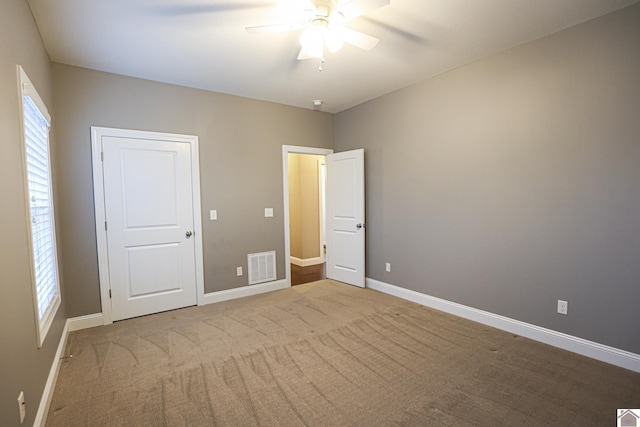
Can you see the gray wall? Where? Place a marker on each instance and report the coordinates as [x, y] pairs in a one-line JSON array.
[[240, 164], [23, 367], [513, 182]]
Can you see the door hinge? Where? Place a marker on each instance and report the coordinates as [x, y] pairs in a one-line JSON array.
[[105, 226], [109, 293], [102, 156]]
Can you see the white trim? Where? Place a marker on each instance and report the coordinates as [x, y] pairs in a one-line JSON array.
[[101, 235], [286, 149], [98, 196], [604, 353], [85, 322], [44, 322], [27, 88], [47, 394], [306, 262], [244, 291], [321, 206], [197, 218]]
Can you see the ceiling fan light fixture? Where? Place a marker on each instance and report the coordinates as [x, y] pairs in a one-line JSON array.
[[334, 38], [312, 40], [324, 25]]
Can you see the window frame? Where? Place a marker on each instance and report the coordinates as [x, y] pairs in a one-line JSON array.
[[43, 323]]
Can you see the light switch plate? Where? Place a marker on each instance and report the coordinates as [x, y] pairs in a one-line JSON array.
[[213, 214], [238, 271], [268, 212]]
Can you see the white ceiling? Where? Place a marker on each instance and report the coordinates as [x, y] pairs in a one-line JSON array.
[[203, 44]]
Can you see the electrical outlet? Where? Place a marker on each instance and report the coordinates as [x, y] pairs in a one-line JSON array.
[[268, 212], [22, 407], [563, 307], [238, 271], [388, 267], [213, 215]]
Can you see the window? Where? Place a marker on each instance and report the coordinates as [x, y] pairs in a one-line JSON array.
[[46, 288]]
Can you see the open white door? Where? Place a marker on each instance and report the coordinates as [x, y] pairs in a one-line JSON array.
[[149, 222], [345, 217]]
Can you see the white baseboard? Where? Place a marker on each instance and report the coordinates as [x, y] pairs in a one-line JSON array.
[[244, 291], [50, 385], [604, 353], [306, 262], [85, 322], [73, 324]]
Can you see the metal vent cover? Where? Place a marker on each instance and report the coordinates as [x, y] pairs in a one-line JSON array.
[[262, 267]]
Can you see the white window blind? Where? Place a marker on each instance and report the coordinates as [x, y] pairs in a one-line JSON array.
[[40, 204]]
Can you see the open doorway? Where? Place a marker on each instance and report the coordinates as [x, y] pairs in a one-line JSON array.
[[307, 238], [305, 231], [345, 213]]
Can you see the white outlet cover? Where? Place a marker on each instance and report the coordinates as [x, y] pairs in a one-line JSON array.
[[268, 212], [563, 307], [213, 215]]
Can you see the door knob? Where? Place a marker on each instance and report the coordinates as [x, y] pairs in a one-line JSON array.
[[189, 233], [359, 226]]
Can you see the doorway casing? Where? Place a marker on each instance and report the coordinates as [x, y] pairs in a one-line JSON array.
[[97, 133], [286, 150]]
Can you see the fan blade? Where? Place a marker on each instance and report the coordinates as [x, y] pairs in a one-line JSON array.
[[198, 9], [415, 38], [303, 55], [275, 28], [307, 5], [359, 39], [300, 18], [354, 8]]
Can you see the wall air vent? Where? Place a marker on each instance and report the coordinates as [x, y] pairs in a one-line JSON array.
[[262, 267]]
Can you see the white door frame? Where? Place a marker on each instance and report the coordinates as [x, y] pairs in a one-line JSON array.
[[321, 205], [286, 149], [97, 133]]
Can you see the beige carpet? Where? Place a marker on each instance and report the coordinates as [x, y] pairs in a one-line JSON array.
[[327, 354]]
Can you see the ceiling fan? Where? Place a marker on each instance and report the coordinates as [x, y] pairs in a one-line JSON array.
[[323, 25]]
